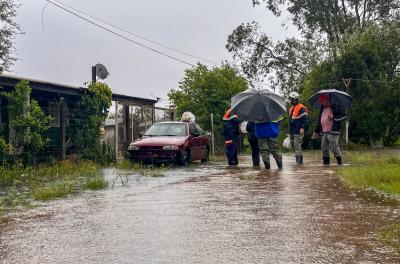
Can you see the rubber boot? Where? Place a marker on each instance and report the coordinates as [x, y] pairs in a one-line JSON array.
[[279, 163], [326, 160], [256, 163], [339, 160], [299, 160], [267, 165]]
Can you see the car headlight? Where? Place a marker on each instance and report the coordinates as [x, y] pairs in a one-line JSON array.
[[133, 147], [170, 147]]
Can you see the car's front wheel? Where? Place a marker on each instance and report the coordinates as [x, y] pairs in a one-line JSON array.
[[184, 158]]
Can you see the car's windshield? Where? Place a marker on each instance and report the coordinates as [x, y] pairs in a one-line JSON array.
[[166, 129]]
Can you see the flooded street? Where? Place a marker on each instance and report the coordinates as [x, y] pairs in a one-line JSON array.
[[208, 214]]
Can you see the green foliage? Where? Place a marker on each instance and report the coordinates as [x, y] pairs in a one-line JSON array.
[[106, 154], [391, 235], [323, 26], [29, 122], [4, 149], [7, 33], [128, 167], [371, 58], [97, 183], [334, 19], [286, 63], [91, 114], [53, 190], [47, 182], [203, 91]]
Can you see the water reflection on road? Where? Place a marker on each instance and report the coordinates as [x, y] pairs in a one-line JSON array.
[[208, 214]]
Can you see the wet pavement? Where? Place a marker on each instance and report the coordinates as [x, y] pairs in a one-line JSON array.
[[208, 214]]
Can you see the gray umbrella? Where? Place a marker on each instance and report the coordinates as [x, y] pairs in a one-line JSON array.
[[337, 97], [258, 105]]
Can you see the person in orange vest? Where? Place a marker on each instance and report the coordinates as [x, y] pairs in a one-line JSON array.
[[298, 121], [231, 123]]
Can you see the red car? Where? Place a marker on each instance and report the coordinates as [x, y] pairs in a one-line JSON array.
[[171, 142]]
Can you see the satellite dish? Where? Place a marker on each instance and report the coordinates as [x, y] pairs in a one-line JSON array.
[[101, 71]]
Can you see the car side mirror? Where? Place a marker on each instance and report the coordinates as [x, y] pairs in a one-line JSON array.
[[195, 134], [141, 134]]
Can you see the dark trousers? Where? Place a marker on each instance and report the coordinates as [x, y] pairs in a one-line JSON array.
[[231, 151], [255, 151]]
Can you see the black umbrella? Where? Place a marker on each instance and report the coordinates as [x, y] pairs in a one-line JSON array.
[[258, 105], [337, 97]]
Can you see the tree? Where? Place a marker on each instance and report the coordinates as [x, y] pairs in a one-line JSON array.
[[323, 25], [334, 19], [29, 123], [203, 91], [91, 113], [285, 62], [7, 32], [372, 59]]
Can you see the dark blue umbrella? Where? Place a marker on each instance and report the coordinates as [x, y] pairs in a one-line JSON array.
[[336, 97], [258, 105]]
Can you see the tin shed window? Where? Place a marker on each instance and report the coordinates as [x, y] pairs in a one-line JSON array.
[[54, 112]]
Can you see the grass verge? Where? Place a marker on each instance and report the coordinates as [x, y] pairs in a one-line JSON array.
[[20, 186], [391, 236], [377, 171], [128, 167]]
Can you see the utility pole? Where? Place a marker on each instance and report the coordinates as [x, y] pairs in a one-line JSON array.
[[93, 74], [347, 123]]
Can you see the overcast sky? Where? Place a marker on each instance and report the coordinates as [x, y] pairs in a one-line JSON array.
[[66, 47]]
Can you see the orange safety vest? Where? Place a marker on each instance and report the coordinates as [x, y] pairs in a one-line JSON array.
[[294, 111], [228, 115]]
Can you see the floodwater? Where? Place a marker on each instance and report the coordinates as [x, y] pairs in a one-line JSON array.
[[208, 214]]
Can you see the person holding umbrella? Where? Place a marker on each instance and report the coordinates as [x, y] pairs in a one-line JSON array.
[[231, 131], [265, 109], [328, 123], [298, 120], [267, 134], [255, 150]]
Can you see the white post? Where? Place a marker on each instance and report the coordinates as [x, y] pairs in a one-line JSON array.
[[116, 132], [347, 132], [131, 111], [212, 134]]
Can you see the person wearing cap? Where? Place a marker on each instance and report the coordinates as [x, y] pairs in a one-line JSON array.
[[298, 121], [329, 124], [267, 134], [231, 123]]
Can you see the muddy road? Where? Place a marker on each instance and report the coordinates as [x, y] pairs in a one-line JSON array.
[[208, 214]]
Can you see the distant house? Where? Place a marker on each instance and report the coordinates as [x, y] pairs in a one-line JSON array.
[[60, 100]]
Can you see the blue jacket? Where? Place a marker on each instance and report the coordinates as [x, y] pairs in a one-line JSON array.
[[267, 129]]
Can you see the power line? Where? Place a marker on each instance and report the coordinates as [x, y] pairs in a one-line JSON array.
[[119, 35], [137, 35]]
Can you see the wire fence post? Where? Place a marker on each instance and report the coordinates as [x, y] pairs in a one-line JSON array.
[[212, 134], [116, 132], [62, 129]]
